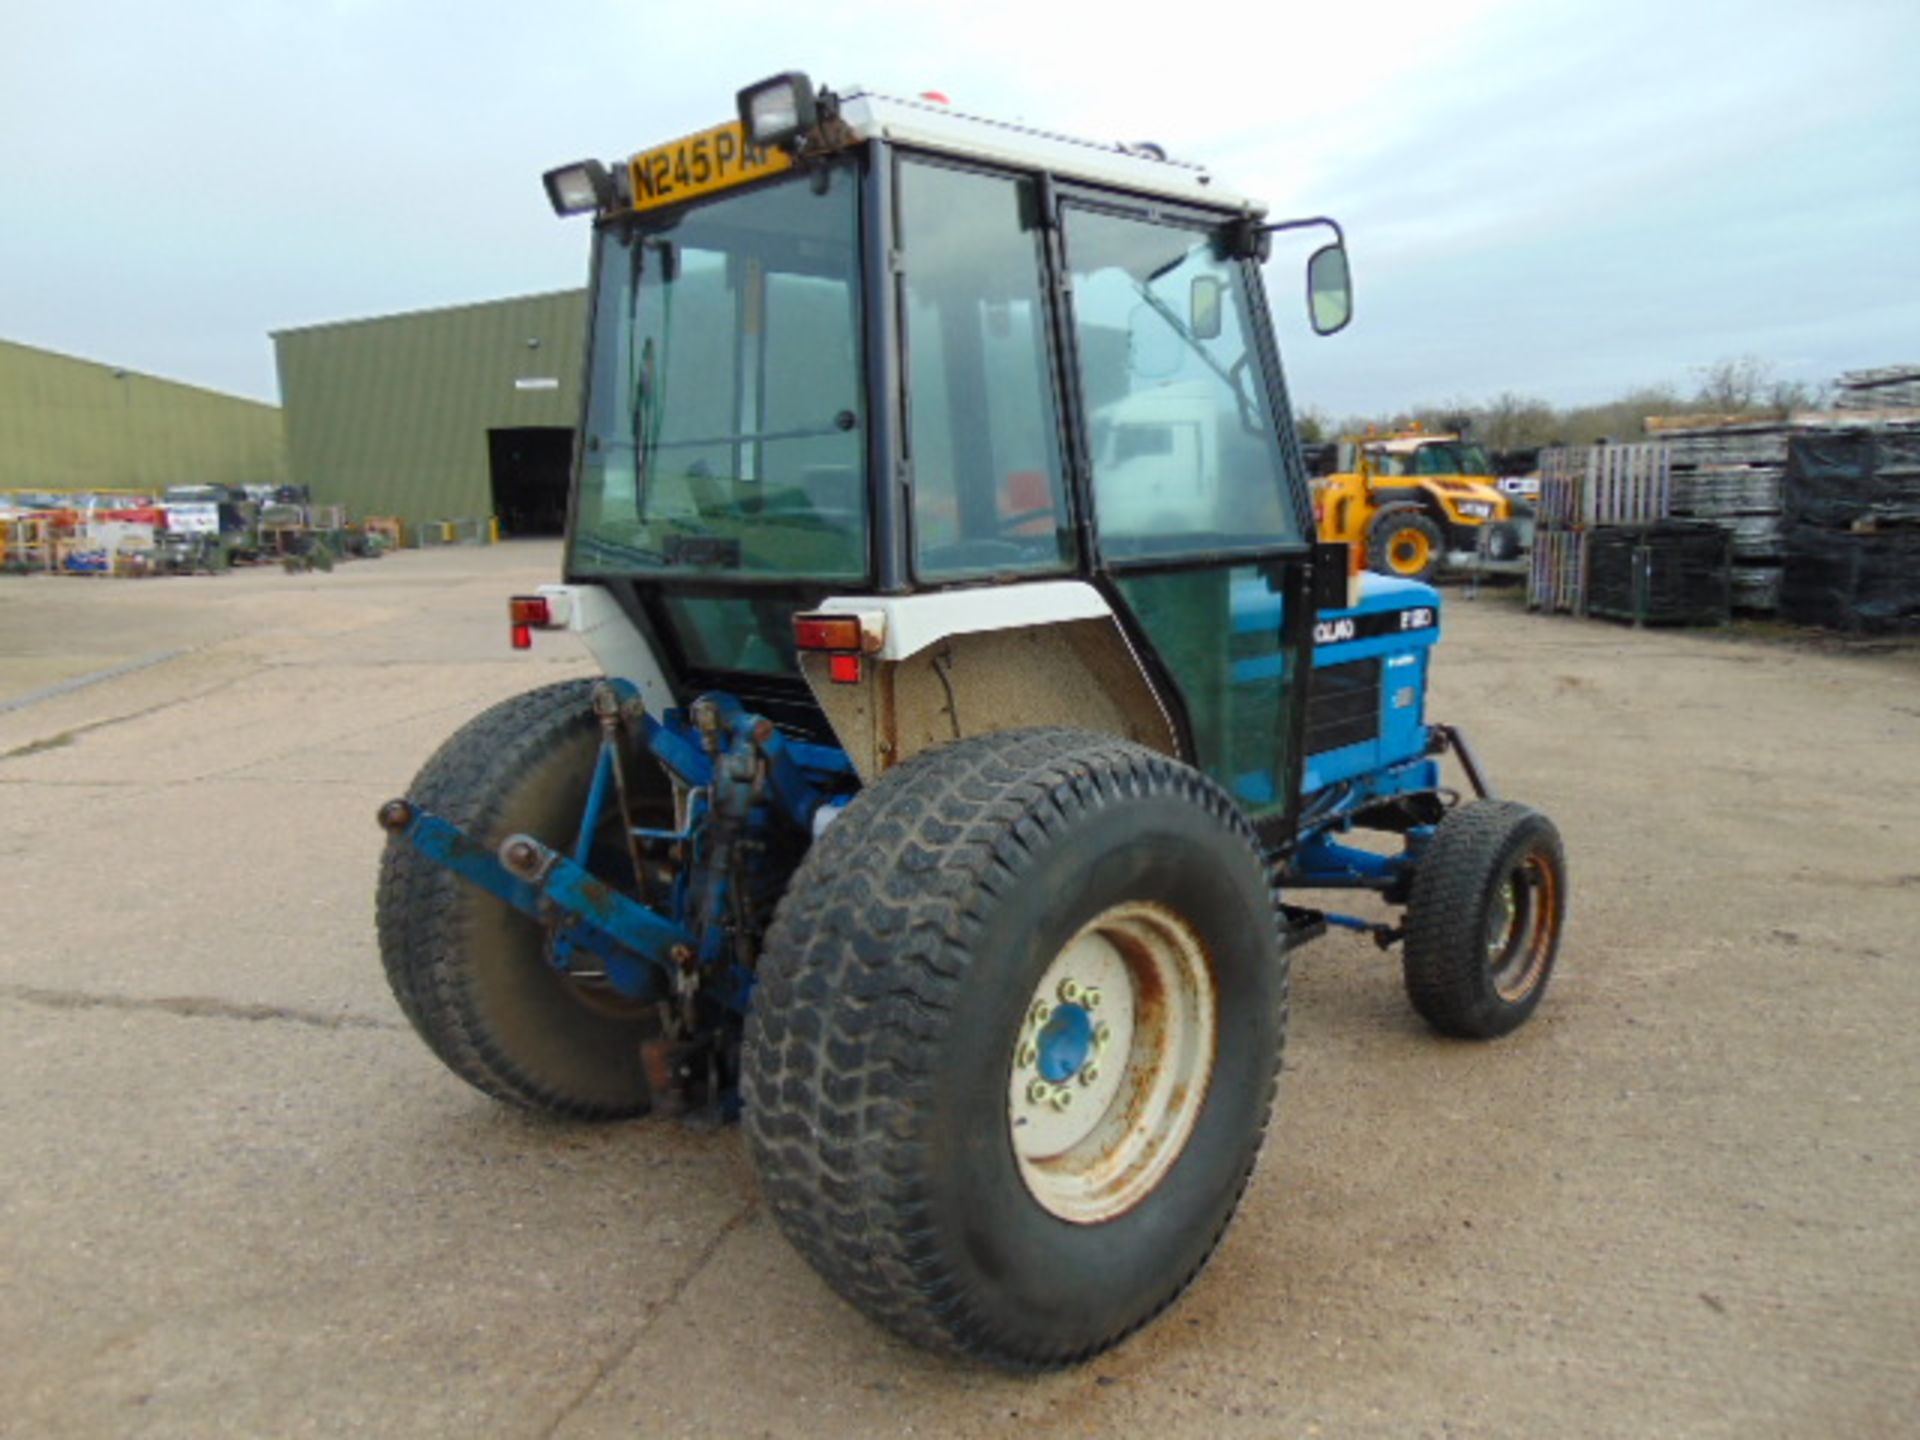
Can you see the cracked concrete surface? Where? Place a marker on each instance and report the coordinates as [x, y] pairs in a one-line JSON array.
[[238, 1197]]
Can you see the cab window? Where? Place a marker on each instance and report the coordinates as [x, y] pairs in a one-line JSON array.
[[983, 432], [1186, 457]]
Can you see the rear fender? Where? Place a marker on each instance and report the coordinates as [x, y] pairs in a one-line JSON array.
[[615, 642], [953, 664]]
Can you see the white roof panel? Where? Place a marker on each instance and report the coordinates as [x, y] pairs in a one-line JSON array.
[[934, 126]]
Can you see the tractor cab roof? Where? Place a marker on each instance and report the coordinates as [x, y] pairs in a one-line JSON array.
[[1407, 444], [933, 125]]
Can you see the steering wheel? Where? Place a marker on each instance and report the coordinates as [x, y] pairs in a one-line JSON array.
[[976, 556], [1009, 525]]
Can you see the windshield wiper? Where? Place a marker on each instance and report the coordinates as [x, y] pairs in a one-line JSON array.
[[645, 414], [1228, 377], [1179, 327]]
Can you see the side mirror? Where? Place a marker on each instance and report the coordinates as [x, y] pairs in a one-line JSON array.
[[1203, 307], [1329, 289]]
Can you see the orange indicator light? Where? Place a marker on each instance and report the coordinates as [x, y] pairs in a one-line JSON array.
[[826, 632]]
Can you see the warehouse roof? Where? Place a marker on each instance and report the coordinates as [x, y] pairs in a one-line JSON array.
[[431, 310]]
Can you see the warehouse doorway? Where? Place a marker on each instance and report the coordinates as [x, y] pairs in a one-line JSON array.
[[531, 466]]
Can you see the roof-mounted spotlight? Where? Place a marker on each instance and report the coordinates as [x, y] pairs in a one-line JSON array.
[[778, 110], [580, 187]]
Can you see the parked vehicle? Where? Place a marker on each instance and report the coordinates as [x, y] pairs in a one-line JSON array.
[[978, 713], [1410, 499]]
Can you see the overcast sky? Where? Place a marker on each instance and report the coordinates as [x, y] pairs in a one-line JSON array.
[[1557, 199]]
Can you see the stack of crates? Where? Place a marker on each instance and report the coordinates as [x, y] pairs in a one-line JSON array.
[[1584, 492], [1853, 530], [1672, 572]]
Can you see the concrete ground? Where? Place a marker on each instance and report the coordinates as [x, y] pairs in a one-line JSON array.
[[237, 1196]]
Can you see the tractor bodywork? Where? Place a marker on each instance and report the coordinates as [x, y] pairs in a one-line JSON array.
[[937, 483]]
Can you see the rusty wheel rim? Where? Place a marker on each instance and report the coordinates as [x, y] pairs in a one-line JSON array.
[[1111, 1063], [1522, 923]]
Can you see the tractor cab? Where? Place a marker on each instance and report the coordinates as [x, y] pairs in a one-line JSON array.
[[965, 382], [974, 689]]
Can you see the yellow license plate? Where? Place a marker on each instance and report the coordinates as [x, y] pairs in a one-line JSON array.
[[696, 165]]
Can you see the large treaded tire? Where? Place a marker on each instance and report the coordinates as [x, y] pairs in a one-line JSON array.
[[1501, 541], [1405, 543], [469, 971], [1484, 919], [892, 988]]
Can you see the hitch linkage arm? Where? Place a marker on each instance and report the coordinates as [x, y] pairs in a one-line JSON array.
[[636, 945]]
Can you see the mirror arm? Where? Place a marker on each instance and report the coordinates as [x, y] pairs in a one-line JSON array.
[[1247, 239], [1339, 235]]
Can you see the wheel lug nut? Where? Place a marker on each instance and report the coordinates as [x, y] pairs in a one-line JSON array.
[[1028, 1054], [1069, 991], [1039, 1092], [1042, 1012], [1062, 1098], [1090, 997], [1102, 1034], [1089, 1073]]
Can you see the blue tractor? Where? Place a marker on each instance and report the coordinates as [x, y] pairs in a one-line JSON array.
[[978, 713]]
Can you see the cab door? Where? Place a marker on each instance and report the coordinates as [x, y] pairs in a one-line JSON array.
[[1200, 517]]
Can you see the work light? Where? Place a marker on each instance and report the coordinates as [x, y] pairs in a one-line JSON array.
[[776, 110], [577, 188]]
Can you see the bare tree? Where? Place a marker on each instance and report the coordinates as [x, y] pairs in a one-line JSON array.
[[1515, 422], [1786, 396], [1729, 387]]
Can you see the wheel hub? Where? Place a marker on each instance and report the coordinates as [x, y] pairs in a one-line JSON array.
[[1520, 928], [1065, 1043], [1111, 1063]]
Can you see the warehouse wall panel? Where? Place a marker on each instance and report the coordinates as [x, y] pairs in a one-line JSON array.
[[68, 424], [389, 416]]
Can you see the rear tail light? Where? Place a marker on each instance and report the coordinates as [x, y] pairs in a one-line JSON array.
[[843, 637], [827, 632], [526, 614]]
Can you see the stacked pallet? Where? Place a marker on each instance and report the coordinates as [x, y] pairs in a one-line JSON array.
[[1853, 530], [1670, 572], [1732, 470], [1581, 489], [1893, 387], [1588, 497]]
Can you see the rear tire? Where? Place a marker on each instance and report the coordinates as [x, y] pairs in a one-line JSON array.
[[1501, 541], [1406, 544], [909, 1041], [468, 970], [1484, 919]]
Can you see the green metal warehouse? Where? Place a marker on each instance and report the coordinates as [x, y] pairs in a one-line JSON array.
[[75, 425], [461, 414]]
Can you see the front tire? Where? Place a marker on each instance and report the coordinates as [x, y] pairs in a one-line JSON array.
[[908, 1047], [1406, 544], [469, 971], [1484, 919]]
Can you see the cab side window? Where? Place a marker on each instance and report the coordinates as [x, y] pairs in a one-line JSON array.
[[1186, 458], [983, 431]]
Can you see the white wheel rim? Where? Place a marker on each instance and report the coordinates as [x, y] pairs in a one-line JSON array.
[[1112, 1062]]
